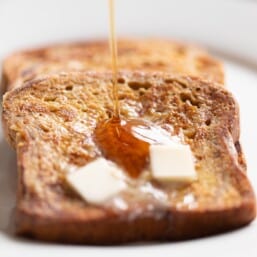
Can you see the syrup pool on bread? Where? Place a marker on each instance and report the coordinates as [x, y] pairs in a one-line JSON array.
[[127, 142]]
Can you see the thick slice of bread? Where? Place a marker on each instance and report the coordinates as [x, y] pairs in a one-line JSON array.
[[153, 55], [51, 124]]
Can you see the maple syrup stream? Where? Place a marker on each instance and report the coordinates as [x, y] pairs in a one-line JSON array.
[[114, 55]]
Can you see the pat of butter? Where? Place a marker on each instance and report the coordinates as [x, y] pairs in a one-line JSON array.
[[98, 181], [172, 162]]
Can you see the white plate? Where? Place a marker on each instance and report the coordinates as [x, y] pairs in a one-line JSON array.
[[228, 27]]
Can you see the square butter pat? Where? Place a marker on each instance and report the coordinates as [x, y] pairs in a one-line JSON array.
[[97, 181], [172, 162]]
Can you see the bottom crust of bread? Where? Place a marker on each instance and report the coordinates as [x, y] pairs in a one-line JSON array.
[[169, 226]]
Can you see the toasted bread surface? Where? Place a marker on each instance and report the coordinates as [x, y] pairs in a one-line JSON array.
[[140, 54], [51, 121]]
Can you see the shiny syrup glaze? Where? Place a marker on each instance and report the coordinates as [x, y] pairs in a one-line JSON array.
[[127, 142]]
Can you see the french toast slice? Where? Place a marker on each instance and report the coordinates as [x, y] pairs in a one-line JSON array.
[[138, 54], [51, 122]]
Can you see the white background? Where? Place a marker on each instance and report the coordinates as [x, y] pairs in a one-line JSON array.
[[227, 27]]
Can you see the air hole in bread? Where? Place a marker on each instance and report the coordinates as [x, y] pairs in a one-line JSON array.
[[136, 85], [69, 88], [46, 130], [121, 80], [122, 97], [208, 122], [199, 157], [169, 81], [141, 92], [109, 114], [186, 97]]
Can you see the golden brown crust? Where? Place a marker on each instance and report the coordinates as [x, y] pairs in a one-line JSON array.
[[41, 119], [171, 226], [139, 54]]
